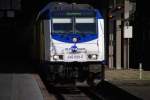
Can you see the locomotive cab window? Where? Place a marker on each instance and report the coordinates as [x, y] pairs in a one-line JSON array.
[[62, 25], [85, 25]]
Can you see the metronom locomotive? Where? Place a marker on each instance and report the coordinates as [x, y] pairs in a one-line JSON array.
[[69, 40]]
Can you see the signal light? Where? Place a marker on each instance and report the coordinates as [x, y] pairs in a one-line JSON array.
[[110, 16], [118, 7]]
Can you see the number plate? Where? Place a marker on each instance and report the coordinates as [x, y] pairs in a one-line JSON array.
[[75, 57]]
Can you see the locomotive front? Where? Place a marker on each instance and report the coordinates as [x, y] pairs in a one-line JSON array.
[[71, 38], [76, 36]]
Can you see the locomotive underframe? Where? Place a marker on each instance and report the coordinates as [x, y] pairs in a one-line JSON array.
[[62, 73]]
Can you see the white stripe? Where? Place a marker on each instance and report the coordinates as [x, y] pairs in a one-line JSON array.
[[61, 20], [84, 20]]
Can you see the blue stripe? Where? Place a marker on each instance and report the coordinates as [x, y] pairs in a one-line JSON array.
[[67, 38], [98, 14]]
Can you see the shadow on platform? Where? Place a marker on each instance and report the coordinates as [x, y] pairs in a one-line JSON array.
[[17, 67], [112, 92]]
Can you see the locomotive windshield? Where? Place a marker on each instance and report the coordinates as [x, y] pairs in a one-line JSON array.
[[62, 25], [85, 25], [80, 25]]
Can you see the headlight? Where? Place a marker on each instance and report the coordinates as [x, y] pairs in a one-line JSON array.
[[92, 56], [56, 57]]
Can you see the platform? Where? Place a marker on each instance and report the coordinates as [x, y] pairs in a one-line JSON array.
[[138, 88], [129, 81], [19, 87]]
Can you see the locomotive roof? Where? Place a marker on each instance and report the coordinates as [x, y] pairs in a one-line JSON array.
[[58, 6], [63, 6]]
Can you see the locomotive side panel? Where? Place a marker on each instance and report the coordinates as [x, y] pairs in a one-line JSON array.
[[47, 41]]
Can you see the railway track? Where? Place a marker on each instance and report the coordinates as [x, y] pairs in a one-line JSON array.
[[103, 91], [91, 93], [75, 93]]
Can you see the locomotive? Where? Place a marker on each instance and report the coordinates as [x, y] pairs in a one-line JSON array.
[[69, 42]]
